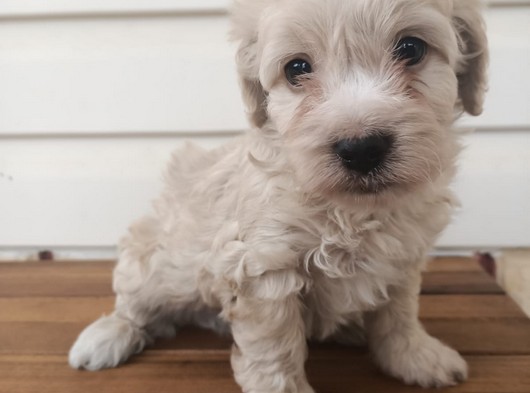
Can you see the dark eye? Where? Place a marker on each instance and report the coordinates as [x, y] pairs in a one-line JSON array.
[[411, 49], [296, 68]]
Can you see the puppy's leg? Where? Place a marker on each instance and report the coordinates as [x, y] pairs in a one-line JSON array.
[[270, 345], [107, 342], [403, 348], [153, 295]]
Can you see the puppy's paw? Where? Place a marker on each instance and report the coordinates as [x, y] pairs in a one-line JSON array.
[[106, 343], [423, 361]]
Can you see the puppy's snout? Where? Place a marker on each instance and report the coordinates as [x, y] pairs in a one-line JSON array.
[[365, 154]]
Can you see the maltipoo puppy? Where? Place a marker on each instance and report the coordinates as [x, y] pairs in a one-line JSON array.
[[317, 222]]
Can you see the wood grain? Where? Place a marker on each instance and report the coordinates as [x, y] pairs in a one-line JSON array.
[[74, 279], [43, 374], [86, 309], [467, 336], [62, 279], [44, 306], [453, 264], [464, 282]]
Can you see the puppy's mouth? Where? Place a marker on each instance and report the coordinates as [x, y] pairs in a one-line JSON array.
[[372, 187], [371, 184]]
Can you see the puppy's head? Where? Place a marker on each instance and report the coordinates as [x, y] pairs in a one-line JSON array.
[[362, 92]]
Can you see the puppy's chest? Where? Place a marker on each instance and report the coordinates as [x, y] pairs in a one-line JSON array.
[[351, 268], [361, 246], [362, 249], [342, 281], [336, 299], [334, 302]]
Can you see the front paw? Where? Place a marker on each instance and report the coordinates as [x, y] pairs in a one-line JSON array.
[[423, 361]]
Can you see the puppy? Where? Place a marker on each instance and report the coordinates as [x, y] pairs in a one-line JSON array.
[[317, 222]]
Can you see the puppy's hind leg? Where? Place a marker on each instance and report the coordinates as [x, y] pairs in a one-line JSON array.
[[107, 342], [148, 302]]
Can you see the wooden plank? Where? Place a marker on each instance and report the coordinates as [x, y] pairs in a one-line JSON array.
[[488, 375], [464, 282], [87, 309], [496, 336], [467, 336], [453, 318], [458, 276], [351, 373], [469, 307], [55, 309], [57, 338], [56, 279], [453, 264], [52, 374]]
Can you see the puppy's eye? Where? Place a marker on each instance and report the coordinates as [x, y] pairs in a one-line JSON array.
[[295, 69], [411, 49]]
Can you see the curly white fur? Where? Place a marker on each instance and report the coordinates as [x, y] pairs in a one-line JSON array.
[[269, 237]]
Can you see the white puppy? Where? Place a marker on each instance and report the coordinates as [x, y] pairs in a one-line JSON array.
[[318, 221]]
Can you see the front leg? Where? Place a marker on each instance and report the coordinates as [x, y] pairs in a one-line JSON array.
[[270, 345], [403, 349]]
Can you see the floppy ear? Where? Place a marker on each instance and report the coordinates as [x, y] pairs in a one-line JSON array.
[[245, 21], [253, 94], [472, 70]]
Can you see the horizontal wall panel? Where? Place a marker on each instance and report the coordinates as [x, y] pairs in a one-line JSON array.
[[119, 75], [17, 8], [80, 192], [175, 73], [85, 191], [494, 187]]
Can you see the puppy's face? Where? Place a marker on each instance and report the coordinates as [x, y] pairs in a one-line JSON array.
[[362, 92]]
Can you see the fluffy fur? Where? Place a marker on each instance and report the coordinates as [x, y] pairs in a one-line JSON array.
[[271, 237]]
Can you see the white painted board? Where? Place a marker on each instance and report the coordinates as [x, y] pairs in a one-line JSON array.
[[91, 106], [177, 73]]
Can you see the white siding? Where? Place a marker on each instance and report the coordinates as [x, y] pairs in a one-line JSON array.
[[17, 8], [132, 74], [95, 95]]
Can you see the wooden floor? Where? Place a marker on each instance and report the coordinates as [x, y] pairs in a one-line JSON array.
[[44, 306]]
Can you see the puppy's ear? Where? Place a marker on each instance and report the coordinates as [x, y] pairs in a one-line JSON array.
[[253, 94], [245, 21], [472, 70]]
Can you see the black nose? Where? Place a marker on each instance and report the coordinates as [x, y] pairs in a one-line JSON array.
[[363, 155]]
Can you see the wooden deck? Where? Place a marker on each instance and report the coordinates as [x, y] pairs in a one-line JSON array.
[[44, 306]]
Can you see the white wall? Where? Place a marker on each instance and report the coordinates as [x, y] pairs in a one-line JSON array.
[[95, 94]]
